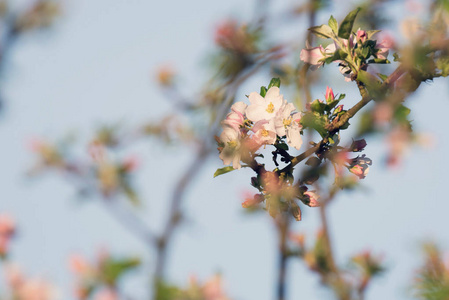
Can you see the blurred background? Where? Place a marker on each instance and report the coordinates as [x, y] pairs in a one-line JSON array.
[[97, 65]]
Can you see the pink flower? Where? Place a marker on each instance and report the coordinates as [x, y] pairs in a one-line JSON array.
[[359, 166], [329, 95], [130, 163], [315, 56], [236, 118], [106, 294], [79, 265], [384, 48], [212, 289], [231, 150], [264, 132], [313, 199], [361, 36], [36, 289], [7, 225]]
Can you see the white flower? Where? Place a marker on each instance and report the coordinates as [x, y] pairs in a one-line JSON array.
[[231, 150], [293, 132], [264, 108], [283, 118], [264, 132]]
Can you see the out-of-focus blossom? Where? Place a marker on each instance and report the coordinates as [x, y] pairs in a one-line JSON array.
[[41, 14], [252, 201], [165, 76], [398, 140], [106, 294], [264, 108], [384, 48], [313, 199], [236, 117], [7, 229], [315, 56], [213, 289], [361, 36], [231, 36], [36, 289], [359, 166], [411, 29], [130, 164], [231, 150], [23, 288], [382, 113]]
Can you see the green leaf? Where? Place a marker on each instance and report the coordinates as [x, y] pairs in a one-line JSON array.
[[333, 24], [274, 82], [282, 146], [346, 26], [323, 31], [443, 64], [223, 171], [402, 113], [382, 76], [131, 194], [318, 107], [368, 79], [339, 54], [379, 61], [316, 122], [114, 268], [341, 97], [370, 33], [396, 57], [263, 91]]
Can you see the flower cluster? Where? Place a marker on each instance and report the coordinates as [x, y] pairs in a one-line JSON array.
[[24, 288], [352, 51], [101, 277], [267, 120], [7, 229]]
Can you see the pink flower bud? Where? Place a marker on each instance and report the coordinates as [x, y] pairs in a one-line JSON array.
[[329, 95], [313, 199], [361, 36]]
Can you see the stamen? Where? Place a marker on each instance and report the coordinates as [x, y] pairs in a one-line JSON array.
[[270, 108]]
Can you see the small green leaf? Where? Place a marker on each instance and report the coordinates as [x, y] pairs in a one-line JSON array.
[[396, 57], [316, 122], [379, 61], [333, 24], [223, 171], [263, 91], [341, 97], [282, 146], [274, 82], [318, 106], [323, 31], [346, 26], [339, 54], [370, 33], [382, 76], [368, 79]]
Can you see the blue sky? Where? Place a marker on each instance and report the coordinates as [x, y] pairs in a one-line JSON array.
[[97, 65]]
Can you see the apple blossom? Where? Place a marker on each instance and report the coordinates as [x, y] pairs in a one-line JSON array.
[[313, 199], [264, 132], [359, 166], [230, 152], [315, 56], [264, 108]]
